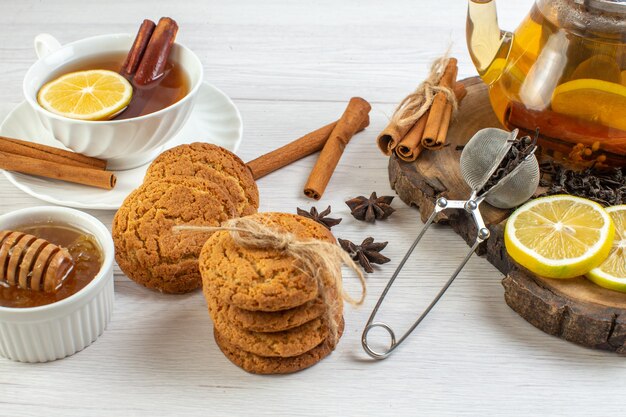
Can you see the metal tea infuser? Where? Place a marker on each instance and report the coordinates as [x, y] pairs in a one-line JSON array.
[[480, 159]]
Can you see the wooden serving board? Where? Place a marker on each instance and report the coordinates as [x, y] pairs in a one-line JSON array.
[[574, 309]]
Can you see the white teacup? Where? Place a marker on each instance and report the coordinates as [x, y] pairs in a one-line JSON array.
[[126, 143]]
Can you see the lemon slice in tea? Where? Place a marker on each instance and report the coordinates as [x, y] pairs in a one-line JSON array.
[[602, 67], [86, 95], [611, 273], [593, 100], [559, 236]]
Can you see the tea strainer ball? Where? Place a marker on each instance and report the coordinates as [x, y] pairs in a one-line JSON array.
[[480, 164], [482, 156]]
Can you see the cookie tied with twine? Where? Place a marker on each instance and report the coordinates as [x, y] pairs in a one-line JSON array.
[[315, 257], [422, 118]]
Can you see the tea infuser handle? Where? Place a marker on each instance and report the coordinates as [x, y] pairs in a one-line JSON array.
[[482, 235], [440, 205], [45, 44]]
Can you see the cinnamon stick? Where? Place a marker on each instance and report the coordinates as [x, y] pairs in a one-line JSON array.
[[137, 50], [353, 117], [49, 153], [566, 128], [293, 151], [442, 135], [410, 147], [440, 108], [43, 168], [391, 136], [152, 65]]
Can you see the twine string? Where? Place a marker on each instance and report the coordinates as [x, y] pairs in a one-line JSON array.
[[413, 106], [316, 258]]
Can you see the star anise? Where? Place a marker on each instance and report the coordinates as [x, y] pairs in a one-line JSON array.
[[371, 209], [321, 218], [367, 253]]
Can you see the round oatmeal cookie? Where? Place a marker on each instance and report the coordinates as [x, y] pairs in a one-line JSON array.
[[284, 344], [260, 279], [212, 162], [256, 364], [146, 248], [275, 321]]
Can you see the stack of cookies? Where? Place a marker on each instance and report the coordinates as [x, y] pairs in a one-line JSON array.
[[198, 184], [269, 315]]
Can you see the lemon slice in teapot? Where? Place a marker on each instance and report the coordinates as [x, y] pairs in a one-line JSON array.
[[602, 67], [593, 100]]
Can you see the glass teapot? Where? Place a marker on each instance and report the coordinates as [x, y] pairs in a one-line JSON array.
[[563, 71]]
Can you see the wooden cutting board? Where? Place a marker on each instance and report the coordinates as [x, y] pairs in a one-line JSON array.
[[575, 309]]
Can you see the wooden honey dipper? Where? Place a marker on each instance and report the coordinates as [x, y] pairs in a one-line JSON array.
[[32, 263]]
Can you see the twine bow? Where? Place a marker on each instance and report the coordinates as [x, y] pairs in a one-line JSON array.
[[419, 101], [315, 257]]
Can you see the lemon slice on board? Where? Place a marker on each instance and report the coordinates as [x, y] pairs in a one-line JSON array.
[[611, 273], [559, 236], [593, 100], [86, 95]]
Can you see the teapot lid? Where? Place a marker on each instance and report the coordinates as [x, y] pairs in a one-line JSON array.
[[597, 18], [613, 6]]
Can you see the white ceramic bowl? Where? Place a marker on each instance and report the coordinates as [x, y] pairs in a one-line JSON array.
[[57, 330], [126, 143]]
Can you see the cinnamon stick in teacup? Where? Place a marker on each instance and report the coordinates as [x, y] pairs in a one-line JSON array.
[[353, 117], [138, 49], [293, 151], [146, 62], [154, 60]]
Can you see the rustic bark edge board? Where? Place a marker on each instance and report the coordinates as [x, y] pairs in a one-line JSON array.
[[575, 310]]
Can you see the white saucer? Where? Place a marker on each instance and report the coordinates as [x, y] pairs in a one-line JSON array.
[[214, 119]]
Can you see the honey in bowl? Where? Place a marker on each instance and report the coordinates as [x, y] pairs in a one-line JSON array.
[[87, 260], [173, 85]]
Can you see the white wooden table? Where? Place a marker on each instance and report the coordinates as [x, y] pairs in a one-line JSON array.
[[291, 67]]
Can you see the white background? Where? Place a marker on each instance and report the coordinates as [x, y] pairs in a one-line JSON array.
[[291, 67]]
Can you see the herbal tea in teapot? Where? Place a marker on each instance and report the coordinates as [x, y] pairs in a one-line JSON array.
[[562, 71]]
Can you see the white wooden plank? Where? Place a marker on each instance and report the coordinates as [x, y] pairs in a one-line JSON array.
[[291, 66], [320, 50]]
